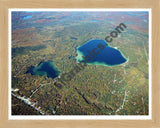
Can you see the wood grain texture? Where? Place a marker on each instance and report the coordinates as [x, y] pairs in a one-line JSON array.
[[6, 4]]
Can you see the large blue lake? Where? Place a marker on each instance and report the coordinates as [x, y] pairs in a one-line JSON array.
[[44, 68], [98, 52]]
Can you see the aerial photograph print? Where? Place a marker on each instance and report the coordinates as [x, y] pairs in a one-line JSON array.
[[79, 63]]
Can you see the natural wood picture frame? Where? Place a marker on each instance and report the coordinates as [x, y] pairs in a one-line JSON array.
[[4, 8]]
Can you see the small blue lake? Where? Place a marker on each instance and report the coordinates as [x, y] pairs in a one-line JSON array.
[[27, 17], [98, 52], [94, 20], [44, 68]]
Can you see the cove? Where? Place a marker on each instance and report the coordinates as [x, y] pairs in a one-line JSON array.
[[97, 52], [44, 68]]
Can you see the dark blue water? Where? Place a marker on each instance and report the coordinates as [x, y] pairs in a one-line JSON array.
[[27, 17], [99, 53], [45, 68], [73, 38], [71, 57]]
